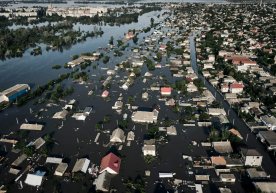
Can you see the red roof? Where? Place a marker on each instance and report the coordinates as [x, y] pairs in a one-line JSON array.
[[105, 93], [111, 161], [236, 85], [166, 89]]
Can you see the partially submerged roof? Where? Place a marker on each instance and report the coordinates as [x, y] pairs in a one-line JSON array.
[[130, 136], [112, 162], [117, 136], [60, 115], [19, 160], [218, 160], [34, 180], [269, 137], [256, 174], [236, 133], [222, 146], [28, 126], [61, 168], [14, 89], [250, 152], [53, 160], [39, 142], [103, 181], [81, 165], [171, 130], [267, 187]]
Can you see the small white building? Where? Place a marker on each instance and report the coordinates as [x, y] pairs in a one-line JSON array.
[[171, 130], [208, 66], [34, 180], [32, 127], [216, 111], [252, 157], [145, 96], [149, 147]]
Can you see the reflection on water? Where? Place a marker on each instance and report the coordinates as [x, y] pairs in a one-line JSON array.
[[39, 68]]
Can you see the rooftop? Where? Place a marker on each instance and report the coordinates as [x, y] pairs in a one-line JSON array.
[[111, 161], [18, 87]]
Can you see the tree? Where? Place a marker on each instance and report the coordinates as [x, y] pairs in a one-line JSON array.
[[151, 22], [74, 57], [149, 159], [111, 40], [152, 131], [204, 117], [135, 39], [225, 134]]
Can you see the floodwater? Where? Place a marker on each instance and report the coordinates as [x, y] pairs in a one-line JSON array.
[[76, 138], [19, 70]]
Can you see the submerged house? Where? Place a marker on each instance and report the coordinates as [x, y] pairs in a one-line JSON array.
[[81, 165], [110, 163], [102, 183], [11, 94], [145, 115], [149, 147], [118, 136]]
